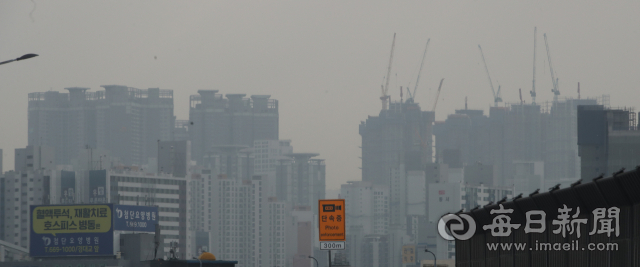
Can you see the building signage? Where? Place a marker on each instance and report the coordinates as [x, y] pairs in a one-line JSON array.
[[71, 230], [408, 254], [331, 217], [135, 218], [332, 245]]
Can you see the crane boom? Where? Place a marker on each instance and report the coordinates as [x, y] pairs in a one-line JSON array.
[[384, 96], [496, 97], [533, 86], [437, 96], [554, 80], [424, 55], [521, 96]]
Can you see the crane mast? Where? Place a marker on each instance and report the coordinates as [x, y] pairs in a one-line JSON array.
[[554, 80], [496, 97], [533, 86], [385, 89]]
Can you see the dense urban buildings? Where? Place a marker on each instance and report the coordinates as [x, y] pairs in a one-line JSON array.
[[224, 182], [230, 120], [125, 121]]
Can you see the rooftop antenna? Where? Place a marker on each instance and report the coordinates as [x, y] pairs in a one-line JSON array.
[[578, 90], [465, 103]]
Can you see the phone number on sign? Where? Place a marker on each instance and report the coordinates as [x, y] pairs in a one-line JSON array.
[[137, 224], [75, 249]]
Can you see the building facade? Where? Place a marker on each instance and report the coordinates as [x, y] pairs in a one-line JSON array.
[[126, 121], [234, 120]]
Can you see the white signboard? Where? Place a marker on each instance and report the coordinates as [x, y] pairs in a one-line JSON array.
[[332, 245]]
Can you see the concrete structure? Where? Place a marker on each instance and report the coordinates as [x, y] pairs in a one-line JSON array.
[[300, 180], [123, 120], [608, 140], [451, 197], [174, 157], [132, 187], [244, 225], [399, 135], [268, 155], [236, 120], [34, 158], [529, 176]]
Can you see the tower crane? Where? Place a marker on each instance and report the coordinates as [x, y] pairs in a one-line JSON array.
[[533, 86], [424, 55], [521, 103], [497, 97], [437, 96], [384, 98], [554, 80]]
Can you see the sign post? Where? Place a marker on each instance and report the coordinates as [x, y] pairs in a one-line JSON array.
[[331, 224]]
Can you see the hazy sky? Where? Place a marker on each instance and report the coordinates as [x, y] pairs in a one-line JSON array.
[[323, 60]]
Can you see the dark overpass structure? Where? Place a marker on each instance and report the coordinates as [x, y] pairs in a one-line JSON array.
[[604, 239]]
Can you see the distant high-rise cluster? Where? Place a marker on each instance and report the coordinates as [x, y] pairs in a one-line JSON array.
[[222, 180], [408, 182]]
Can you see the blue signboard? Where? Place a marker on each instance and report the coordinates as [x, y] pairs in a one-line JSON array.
[[135, 218], [71, 230]]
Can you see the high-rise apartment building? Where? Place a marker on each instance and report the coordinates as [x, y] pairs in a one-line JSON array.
[[400, 135], [126, 121], [300, 180], [234, 120], [367, 213], [608, 140]]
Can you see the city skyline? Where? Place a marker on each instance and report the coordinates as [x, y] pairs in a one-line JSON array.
[[303, 55]]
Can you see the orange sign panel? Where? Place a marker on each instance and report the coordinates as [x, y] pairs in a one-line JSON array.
[[331, 219]]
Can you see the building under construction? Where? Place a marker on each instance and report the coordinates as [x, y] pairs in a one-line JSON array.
[[545, 134], [399, 135]]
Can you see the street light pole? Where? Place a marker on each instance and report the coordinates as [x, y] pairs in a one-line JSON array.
[[27, 56], [314, 260], [434, 256]]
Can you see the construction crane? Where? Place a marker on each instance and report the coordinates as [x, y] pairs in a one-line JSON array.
[[496, 96], [384, 98], [554, 80], [521, 96], [424, 55], [533, 85], [437, 96]]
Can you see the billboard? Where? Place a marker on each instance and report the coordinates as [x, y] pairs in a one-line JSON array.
[[135, 218], [67, 187], [71, 230], [331, 216], [97, 186]]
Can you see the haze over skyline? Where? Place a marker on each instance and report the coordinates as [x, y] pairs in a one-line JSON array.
[[323, 61]]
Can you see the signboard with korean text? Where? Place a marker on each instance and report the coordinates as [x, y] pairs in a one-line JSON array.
[[408, 254], [97, 186], [331, 217], [71, 230], [135, 218]]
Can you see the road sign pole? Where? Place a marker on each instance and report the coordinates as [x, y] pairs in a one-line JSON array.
[[329, 258]]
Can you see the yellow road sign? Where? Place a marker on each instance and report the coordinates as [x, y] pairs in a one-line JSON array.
[[331, 217]]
